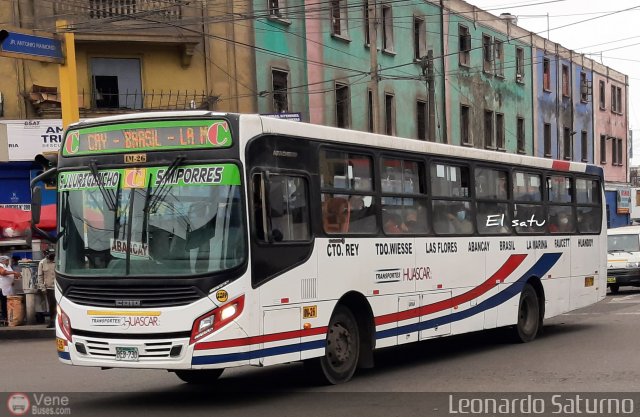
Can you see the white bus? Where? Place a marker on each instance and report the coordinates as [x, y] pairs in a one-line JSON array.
[[198, 241]]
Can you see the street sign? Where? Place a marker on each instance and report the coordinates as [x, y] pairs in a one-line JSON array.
[[32, 47]]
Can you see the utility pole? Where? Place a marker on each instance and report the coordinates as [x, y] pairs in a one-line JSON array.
[[426, 63], [68, 75], [373, 52]]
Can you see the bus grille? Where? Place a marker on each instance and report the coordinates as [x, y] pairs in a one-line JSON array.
[[129, 297]]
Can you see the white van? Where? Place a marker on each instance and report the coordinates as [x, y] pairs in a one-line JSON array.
[[623, 257]]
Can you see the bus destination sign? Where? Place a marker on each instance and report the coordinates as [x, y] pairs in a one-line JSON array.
[[148, 136]]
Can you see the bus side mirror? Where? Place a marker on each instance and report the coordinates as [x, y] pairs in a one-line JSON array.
[[36, 204]]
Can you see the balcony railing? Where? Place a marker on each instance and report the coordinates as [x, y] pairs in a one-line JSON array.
[[164, 10]]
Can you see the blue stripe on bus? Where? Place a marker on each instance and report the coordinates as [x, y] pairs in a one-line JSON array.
[[540, 268], [261, 353], [64, 355]]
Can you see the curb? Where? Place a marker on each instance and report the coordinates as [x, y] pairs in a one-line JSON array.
[[15, 333]]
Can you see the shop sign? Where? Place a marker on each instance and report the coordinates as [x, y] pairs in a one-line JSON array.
[[28, 138], [624, 201]]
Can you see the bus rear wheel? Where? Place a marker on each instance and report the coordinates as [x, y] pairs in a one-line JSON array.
[[199, 376], [528, 315], [343, 347]]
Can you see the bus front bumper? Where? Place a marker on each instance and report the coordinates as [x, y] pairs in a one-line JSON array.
[[626, 276]]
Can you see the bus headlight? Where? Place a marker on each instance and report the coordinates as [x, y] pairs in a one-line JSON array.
[[216, 319], [633, 264]]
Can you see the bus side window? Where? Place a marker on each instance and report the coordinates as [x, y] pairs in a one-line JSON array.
[[284, 215]]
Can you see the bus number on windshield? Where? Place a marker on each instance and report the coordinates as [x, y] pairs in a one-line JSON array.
[[134, 158]]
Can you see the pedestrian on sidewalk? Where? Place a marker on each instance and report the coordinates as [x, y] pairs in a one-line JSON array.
[[47, 283], [7, 278]]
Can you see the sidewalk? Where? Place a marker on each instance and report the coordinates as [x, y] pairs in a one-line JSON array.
[[32, 331]]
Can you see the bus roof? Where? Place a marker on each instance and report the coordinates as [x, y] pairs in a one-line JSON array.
[[333, 134]]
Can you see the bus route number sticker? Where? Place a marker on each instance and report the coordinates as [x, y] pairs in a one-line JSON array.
[[134, 158], [222, 296], [309, 312]]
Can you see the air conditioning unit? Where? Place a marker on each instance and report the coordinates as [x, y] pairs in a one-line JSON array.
[[519, 77]]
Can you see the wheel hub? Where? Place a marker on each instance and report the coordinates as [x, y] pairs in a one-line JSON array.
[[340, 343]]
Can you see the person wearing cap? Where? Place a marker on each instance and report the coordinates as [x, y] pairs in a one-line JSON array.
[[7, 278], [47, 282]]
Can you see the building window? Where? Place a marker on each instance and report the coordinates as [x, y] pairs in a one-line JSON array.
[[584, 87], [279, 88], [464, 45], [566, 138], [616, 99], [566, 85], [465, 137], [367, 34], [339, 18], [616, 151], [387, 29], [500, 131], [116, 83], [389, 115], [520, 133], [498, 52], [603, 149], [487, 53], [546, 74], [620, 152], [519, 65], [584, 146], [421, 116], [419, 38], [276, 8], [603, 96], [343, 98], [488, 129], [547, 140]]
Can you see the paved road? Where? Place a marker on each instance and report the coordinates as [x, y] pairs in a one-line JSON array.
[[592, 349]]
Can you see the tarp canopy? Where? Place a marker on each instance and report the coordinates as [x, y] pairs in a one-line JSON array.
[[15, 222]]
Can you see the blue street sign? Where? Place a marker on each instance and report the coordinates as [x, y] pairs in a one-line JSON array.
[[25, 46]]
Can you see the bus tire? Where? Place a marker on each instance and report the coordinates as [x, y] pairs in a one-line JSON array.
[[342, 352], [529, 321], [199, 376], [615, 288]]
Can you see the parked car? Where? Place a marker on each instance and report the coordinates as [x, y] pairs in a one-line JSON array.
[[623, 257]]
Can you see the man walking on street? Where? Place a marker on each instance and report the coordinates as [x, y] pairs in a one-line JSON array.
[[47, 281]]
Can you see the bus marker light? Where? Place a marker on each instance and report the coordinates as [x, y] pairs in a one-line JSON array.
[[64, 323], [588, 281], [284, 300], [439, 286], [376, 292], [306, 326]]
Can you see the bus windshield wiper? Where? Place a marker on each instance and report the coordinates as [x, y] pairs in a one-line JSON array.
[[108, 198], [163, 189]]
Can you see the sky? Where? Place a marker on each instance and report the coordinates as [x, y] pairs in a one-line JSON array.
[[606, 32]]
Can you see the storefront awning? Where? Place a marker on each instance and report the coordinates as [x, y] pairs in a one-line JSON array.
[[15, 222]]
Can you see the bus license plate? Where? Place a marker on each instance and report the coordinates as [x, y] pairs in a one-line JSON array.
[[611, 280], [127, 354]]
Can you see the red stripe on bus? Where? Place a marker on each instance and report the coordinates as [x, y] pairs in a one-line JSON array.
[[499, 276], [273, 337], [561, 165]]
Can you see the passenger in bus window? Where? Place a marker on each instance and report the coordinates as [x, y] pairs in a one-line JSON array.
[[460, 220], [393, 224]]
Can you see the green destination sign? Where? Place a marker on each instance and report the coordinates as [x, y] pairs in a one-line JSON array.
[[148, 136], [127, 178]]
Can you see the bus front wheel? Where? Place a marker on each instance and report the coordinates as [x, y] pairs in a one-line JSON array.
[[343, 347], [615, 288], [199, 376], [528, 315]]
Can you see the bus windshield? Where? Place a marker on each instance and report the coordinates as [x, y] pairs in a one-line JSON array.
[[165, 221]]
